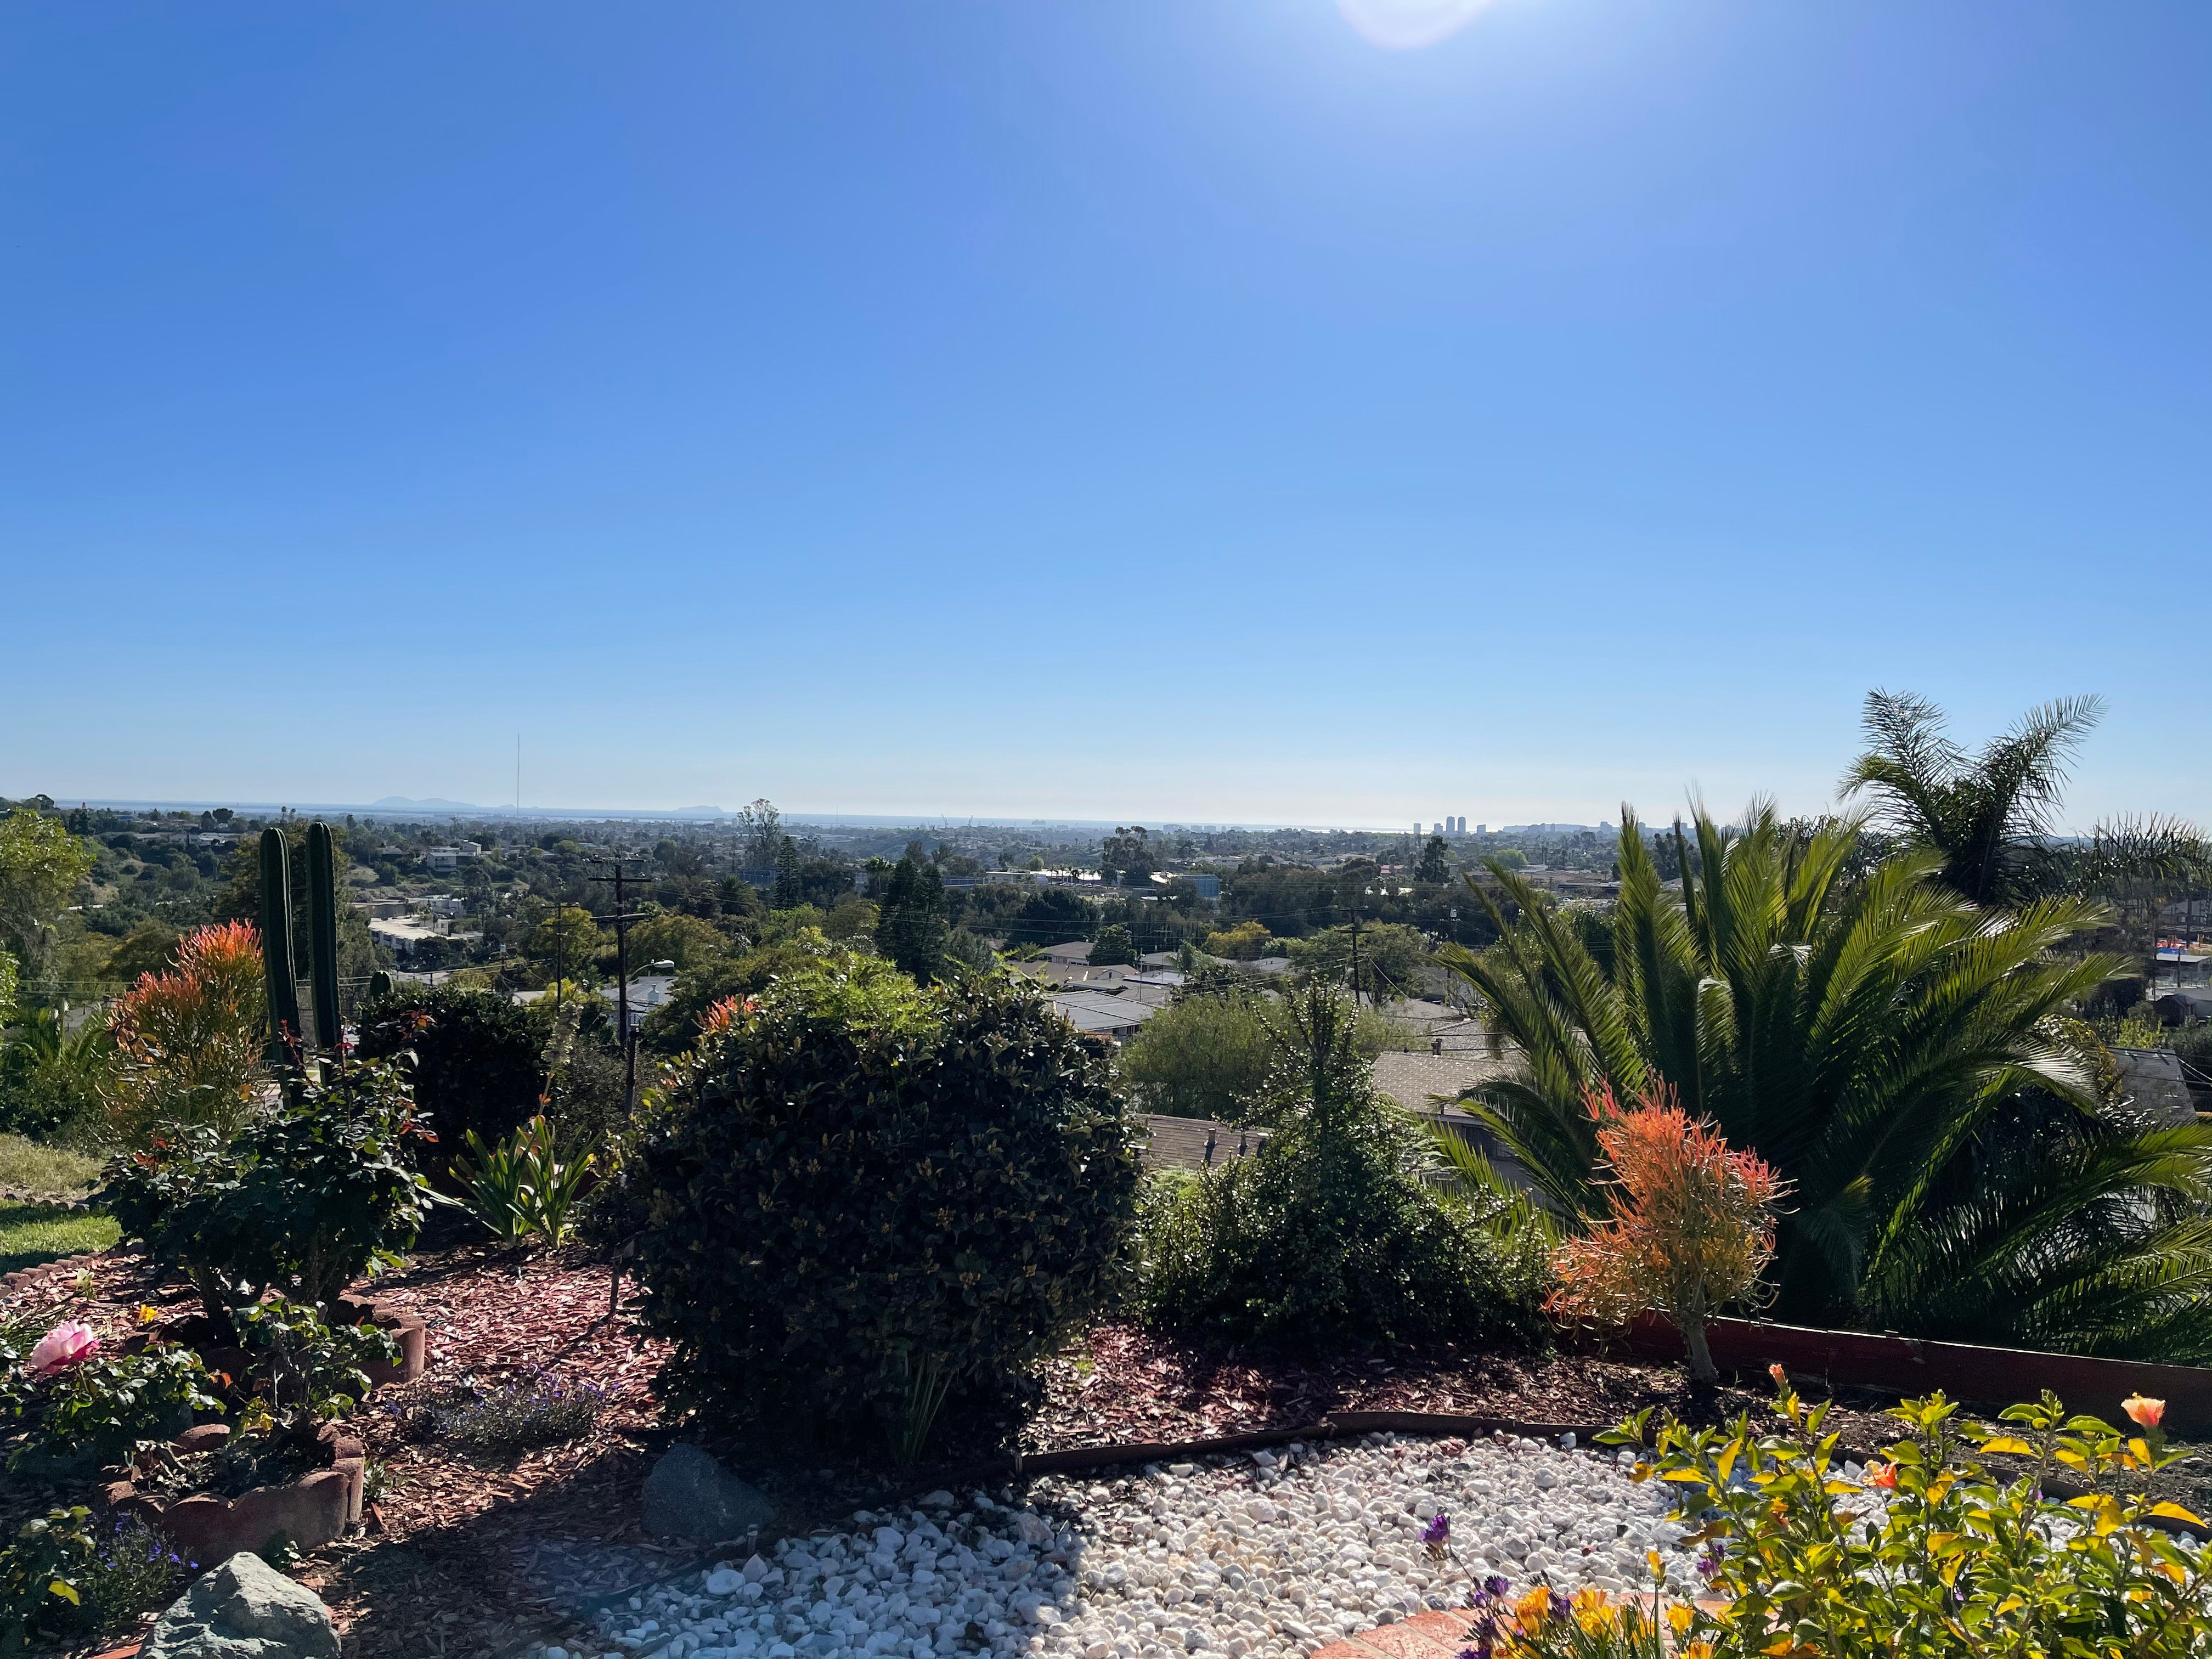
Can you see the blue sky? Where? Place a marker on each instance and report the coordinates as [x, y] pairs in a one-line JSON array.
[[1137, 409]]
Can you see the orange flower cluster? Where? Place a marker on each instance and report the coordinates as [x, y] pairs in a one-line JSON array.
[[189, 1044], [1689, 1225]]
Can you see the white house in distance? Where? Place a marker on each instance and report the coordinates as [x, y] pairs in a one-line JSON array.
[[646, 993], [444, 860]]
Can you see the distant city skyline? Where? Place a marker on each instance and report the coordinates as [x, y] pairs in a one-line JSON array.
[[1334, 411]]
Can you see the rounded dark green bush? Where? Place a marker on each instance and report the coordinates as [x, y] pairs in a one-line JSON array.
[[476, 1064], [865, 1201]]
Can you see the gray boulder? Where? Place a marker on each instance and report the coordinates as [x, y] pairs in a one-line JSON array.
[[689, 1495], [245, 1609]]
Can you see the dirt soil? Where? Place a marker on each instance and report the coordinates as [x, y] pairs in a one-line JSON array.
[[478, 1557]]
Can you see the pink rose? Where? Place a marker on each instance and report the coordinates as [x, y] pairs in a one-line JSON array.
[[65, 1345]]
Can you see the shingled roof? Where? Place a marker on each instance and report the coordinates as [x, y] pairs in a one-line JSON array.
[[1180, 1142]]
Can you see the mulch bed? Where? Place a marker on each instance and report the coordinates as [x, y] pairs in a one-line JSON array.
[[1125, 1383], [476, 1556]]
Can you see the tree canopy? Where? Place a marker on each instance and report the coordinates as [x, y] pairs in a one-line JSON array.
[[41, 864], [1992, 814], [911, 931]]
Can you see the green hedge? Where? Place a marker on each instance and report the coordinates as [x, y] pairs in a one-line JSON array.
[[867, 1200], [476, 1064]]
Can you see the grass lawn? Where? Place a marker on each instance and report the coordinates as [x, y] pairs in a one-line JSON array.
[[30, 1167], [32, 1233]]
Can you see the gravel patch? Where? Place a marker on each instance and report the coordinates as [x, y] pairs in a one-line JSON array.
[[1270, 1552]]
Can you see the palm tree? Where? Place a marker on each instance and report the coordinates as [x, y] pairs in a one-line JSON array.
[[1899, 1054], [1990, 814]]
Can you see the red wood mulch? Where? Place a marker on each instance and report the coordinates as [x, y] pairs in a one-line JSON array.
[[1125, 1383]]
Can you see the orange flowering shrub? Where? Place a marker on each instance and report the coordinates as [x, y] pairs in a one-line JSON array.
[[1689, 1225], [189, 1044]]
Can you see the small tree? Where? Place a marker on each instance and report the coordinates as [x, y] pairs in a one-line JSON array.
[[1203, 1056], [1114, 948], [189, 1044], [41, 864], [912, 928], [304, 1201], [1689, 1225], [1435, 861]]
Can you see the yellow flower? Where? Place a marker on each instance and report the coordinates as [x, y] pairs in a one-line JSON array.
[[1681, 1617], [1651, 1560], [1534, 1608], [148, 1313], [1593, 1612], [1697, 1650]]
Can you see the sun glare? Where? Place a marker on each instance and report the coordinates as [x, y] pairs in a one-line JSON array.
[[1409, 25]]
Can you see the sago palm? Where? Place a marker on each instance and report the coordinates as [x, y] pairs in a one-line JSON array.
[[1896, 1052]]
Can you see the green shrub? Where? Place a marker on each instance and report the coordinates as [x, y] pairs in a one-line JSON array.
[[525, 1187], [70, 1574], [1331, 1234], [805, 957], [310, 1367], [512, 1417], [476, 1063], [51, 1079], [863, 1200], [1928, 1552], [107, 1408], [305, 1201]]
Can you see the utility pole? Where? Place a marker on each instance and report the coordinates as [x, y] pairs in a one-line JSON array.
[[1355, 953], [621, 919]]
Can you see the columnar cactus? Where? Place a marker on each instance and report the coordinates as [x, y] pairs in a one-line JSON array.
[[284, 1031], [323, 933]]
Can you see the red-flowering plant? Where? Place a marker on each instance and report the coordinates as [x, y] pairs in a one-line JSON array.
[[189, 1044], [1689, 1223]]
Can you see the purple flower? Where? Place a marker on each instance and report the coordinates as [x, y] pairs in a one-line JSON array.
[[1497, 1586], [1560, 1605], [1438, 1534], [1709, 1563]]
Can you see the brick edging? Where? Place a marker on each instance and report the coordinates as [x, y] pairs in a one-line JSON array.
[[1424, 1636], [65, 1266], [43, 1201]]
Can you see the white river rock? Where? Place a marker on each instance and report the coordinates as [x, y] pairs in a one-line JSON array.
[[1271, 1553]]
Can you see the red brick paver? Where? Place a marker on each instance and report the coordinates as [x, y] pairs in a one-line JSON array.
[[1425, 1636]]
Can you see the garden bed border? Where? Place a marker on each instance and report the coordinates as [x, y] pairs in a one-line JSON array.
[[1914, 1365]]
